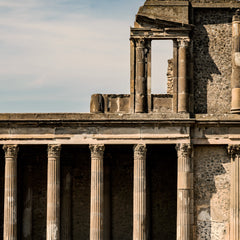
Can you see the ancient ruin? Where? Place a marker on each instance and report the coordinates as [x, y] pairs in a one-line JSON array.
[[140, 165]]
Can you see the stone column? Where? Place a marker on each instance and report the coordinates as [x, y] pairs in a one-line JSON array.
[[139, 193], [97, 194], [184, 192], [236, 63], [66, 204], [141, 78], [182, 77], [234, 151], [27, 204], [53, 193], [10, 193]]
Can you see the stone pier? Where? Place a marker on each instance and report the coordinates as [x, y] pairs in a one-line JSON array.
[[97, 193], [10, 193], [184, 192], [53, 193], [139, 193], [234, 151]]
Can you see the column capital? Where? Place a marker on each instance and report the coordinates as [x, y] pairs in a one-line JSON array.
[[233, 149], [140, 149], [11, 151], [183, 43], [184, 149], [54, 150], [140, 42], [97, 150]]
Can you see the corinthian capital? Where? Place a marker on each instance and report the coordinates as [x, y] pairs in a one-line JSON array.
[[183, 43], [184, 149], [233, 149], [97, 150], [140, 42], [54, 150], [140, 149], [11, 151]]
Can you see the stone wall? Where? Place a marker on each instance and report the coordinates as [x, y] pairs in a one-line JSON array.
[[212, 192], [212, 60]]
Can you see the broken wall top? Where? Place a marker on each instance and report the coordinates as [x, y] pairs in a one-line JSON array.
[[177, 11]]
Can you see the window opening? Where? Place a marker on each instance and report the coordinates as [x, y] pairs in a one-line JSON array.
[[162, 53]]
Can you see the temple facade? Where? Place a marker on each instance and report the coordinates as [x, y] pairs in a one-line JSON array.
[[139, 166]]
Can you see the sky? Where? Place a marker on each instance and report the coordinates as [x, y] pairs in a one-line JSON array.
[[55, 54]]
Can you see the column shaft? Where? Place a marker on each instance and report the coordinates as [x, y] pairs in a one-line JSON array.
[[66, 205], [10, 193], [139, 193], [141, 78], [27, 205], [182, 77], [184, 192], [53, 193], [234, 151], [236, 64], [97, 194]]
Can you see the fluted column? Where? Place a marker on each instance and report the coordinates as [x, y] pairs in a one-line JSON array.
[[182, 76], [234, 151], [236, 63], [139, 193], [53, 193], [184, 192], [97, 194], [10, 193], [141, 78], [27, 204], [66, 204]]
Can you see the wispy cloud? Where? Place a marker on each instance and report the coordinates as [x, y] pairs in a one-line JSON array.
[[59, 51]]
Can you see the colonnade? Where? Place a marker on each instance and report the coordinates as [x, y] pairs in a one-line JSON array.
[[184, 199]]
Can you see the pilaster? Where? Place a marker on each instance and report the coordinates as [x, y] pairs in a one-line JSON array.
[[234, 152]]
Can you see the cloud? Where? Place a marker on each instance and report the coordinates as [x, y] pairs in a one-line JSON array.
[[49, 53]]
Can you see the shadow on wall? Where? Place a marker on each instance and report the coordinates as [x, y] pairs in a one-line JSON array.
[[212, 59], [212, 190], [204, 67]]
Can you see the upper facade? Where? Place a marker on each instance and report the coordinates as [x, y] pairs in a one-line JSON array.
[[205, 69]]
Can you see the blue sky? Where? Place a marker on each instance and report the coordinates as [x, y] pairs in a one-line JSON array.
[[55, 54]]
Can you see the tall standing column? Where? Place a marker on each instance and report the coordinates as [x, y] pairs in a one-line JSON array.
[[184, 192], [53, 193], [139, 193], [27, 204], [10, 193], [234, 151], [66, 203], [182, 77], [236, 63], [97, 194], [141, 78]]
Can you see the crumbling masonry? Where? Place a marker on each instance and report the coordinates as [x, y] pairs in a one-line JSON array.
[[139, 166]]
